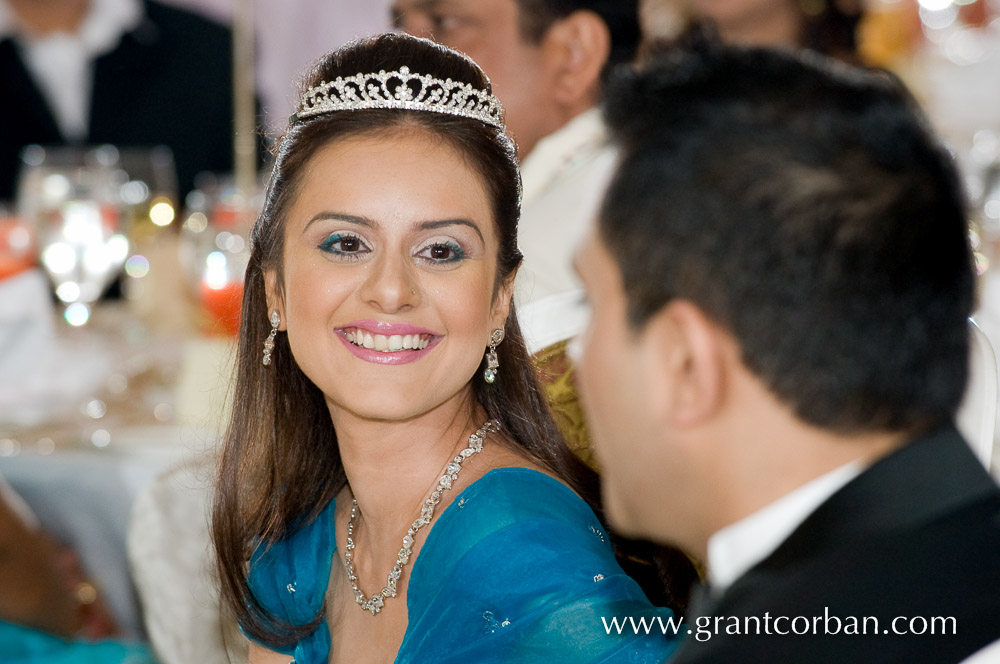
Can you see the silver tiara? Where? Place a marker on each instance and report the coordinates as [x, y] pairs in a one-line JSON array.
[[401, 89]]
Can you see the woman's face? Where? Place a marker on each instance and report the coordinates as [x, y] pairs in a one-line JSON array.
[[390, 262]]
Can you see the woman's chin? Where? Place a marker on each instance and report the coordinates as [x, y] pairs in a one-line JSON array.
[[393, 403]]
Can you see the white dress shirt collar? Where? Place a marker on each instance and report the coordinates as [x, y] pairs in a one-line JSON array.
[[736, 548]]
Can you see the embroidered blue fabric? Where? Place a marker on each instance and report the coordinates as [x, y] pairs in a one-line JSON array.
[[516, 569]]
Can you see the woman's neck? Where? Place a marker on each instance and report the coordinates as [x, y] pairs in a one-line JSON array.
[[392, 467], [47, 16]]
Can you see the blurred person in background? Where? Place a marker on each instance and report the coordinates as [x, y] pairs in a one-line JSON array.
[[291, 34], [829, 27], [825, 26], [125, 72], [49, 612]]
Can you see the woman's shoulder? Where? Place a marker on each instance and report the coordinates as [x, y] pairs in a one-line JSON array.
[[517, 493], [512, 512]]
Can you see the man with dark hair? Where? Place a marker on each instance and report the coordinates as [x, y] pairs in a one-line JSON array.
[[547, 60], [781, 281]]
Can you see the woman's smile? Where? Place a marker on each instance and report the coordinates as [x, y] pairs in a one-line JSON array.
[[382, 342]]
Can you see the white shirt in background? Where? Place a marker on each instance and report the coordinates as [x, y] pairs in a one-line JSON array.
[[564, 178]]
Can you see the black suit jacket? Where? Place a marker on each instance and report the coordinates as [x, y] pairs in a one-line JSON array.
[[916, 535], [168, 82]]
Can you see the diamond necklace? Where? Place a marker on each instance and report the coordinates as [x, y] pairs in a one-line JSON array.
[[374, 605]]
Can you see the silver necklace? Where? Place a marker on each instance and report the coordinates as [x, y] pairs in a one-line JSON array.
[[375, 604]]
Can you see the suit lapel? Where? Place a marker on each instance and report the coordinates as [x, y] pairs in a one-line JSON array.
[[926, 479], [922, 481], [35, 122]]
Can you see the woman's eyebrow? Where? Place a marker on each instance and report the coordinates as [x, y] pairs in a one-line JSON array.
[[339, 216], [441, 223]]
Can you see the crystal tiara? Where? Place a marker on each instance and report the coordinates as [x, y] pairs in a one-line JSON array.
[[401, 89]]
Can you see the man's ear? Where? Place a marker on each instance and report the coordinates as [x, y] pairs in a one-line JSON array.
[[687, 353], [274, 295], [579, 45]]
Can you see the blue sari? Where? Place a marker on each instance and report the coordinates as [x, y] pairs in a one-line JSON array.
[[516, 569]]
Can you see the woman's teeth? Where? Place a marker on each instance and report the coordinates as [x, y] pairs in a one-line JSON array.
[[388, 344]]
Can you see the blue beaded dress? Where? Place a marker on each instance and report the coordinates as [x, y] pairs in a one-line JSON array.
[[516, 569]]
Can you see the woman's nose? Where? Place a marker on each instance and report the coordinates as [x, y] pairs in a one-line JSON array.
[[391, 285]]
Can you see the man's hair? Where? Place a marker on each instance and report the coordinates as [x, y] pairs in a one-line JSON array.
[[807, 209], [621, 17]]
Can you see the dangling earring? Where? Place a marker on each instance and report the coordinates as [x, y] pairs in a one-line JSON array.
[[269, 342], [492, 363]]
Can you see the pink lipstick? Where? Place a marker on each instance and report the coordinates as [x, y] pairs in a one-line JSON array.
[[381, 342]]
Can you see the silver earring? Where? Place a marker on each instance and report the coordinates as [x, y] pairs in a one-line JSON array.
[[269, 342], [492, 363]]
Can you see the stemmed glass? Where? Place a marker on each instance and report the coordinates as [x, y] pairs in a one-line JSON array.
[[215, 248], [72, 197], [91, 207]]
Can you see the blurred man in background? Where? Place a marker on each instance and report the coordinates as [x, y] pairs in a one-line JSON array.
[[133, 73]]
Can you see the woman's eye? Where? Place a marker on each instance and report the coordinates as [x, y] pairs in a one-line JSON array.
[[346, 245], [350, 244], [442, 252]]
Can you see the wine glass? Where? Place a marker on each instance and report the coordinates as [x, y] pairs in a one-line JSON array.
[[71, 196], [215, 248]]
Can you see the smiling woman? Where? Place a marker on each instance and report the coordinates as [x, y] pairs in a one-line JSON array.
[[390, 237], [392, 486]]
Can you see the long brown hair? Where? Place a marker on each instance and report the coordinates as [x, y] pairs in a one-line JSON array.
[[280, 462]]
